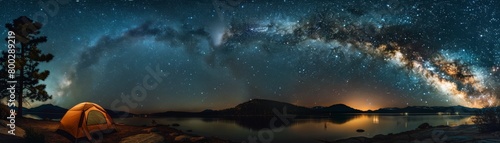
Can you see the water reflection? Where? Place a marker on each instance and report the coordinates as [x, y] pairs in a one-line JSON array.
[[258, 123], [341, 119], [375, 119], [304, 129], [252, 123]]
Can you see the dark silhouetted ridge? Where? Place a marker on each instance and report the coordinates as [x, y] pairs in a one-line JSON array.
[[262, 107], [339, 108], [46, 108]]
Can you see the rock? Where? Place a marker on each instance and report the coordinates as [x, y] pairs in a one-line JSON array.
[[420, 135], [453, 139], [496, 134], [11, 138], [149, 130], [175, 125], [355, 140], [449, 132], [144, 138], [426, 133], [424, 141], [360, 130], [489, 141], [380, 137], [153, 123], [424, 126], [182, 138], [4, 128], [404, 137], [442, 126], [173, 134], [196, 139]]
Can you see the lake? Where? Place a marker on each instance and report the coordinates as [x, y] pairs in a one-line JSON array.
[[303, 130]]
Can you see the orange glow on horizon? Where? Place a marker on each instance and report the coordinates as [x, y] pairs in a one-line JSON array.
[[363, 107], [364, 100]]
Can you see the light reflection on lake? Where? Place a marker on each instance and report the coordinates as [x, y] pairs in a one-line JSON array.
[[305, 130]]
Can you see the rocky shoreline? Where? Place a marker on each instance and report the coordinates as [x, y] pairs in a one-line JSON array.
[[124, 134], [426, 133]]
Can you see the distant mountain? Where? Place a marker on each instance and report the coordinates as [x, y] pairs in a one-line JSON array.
[[176, 114], [53, 109], [117, 114], [262, 107], [337, 108], [46, 108], [427, 109]]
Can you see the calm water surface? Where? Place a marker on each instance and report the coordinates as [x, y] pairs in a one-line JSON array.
[[304, 130]]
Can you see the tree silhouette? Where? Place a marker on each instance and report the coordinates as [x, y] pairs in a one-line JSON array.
[[28, 57]]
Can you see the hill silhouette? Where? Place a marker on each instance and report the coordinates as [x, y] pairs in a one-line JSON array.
[[55, 112], [337, 108], [46, 108], [262, 107], [267, 108]]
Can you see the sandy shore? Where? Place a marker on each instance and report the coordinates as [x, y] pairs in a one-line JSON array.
[[48, 130]]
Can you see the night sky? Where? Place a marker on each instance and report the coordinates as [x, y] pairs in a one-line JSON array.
[[365, 54]]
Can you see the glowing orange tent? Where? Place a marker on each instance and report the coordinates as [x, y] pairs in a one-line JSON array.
[[84, 119]]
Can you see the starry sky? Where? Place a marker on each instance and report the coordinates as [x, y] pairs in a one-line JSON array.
[[215, 54]]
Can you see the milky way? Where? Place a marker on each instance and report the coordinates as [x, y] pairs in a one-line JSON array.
[[397, 44], [367, 54]]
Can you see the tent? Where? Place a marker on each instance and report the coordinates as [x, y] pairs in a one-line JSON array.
[[84, 119]]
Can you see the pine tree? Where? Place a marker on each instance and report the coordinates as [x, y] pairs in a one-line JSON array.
[[28, 57]]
